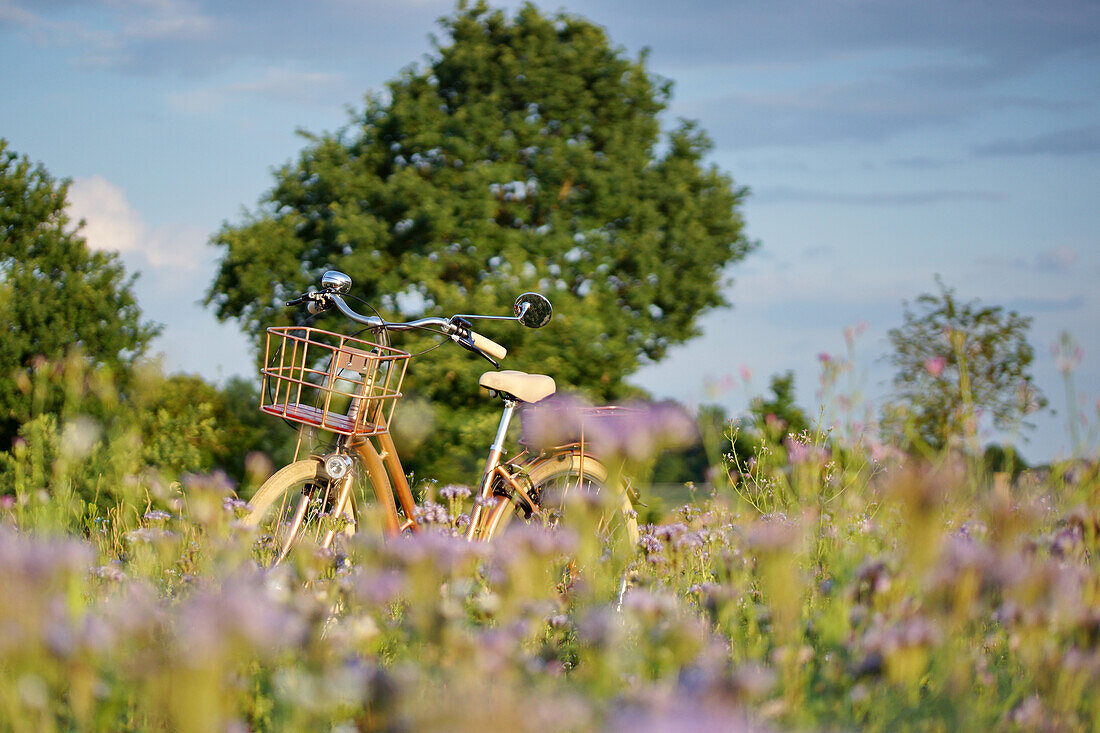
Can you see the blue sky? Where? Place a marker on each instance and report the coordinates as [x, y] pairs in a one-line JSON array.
[[884, 142]]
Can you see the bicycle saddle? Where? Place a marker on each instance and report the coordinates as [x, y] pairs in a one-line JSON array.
[[521, 385]]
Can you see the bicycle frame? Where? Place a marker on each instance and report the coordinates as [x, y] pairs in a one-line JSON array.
[[379, 458]]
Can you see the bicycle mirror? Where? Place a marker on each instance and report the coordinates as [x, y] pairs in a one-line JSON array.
[[533, 310]]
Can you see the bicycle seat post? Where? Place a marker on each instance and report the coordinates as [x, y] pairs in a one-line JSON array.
[[495, 450]]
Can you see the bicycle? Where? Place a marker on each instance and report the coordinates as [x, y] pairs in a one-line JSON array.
[[348, 387]]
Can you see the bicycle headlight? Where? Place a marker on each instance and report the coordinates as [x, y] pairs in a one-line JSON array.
[[337, 466]]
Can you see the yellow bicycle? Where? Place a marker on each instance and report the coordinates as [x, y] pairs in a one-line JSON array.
[[348, 387]]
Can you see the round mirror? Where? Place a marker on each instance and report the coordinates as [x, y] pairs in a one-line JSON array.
[[335, 281], [533, 310]]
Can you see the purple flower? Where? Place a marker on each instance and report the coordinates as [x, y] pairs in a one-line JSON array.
[[378, 588], [455, 491], [243, 610], [636, 431], [431, 513]]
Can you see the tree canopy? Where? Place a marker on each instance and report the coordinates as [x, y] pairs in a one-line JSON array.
[[57, 297], [957, 362], [527, 154]]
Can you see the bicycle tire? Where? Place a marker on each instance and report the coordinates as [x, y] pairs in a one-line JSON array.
[[275, 503], [564, 470]]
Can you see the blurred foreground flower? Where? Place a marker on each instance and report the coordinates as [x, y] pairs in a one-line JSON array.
[[637, 431]]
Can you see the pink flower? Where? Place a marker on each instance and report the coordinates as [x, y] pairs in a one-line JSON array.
[[746, 373], [935, 365]]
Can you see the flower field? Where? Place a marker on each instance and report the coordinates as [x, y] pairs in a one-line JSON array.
[[819, 590]]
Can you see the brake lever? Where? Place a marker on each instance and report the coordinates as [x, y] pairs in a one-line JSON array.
[[461, 336], [315, 302]]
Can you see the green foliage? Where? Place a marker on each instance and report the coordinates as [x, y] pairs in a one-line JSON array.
[[56, 296], [526, 155], [97, 441], [189, 425], [957, 362]]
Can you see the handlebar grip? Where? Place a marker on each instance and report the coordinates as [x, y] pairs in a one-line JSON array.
[[490, 347]]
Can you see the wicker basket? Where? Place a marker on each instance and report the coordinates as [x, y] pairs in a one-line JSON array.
[[330, 381]]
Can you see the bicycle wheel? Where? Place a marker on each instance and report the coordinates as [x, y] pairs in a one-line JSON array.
[[558, 480], [297, 504]]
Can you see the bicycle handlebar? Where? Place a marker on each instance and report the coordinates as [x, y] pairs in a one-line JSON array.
[[490, 347], [454, 327]]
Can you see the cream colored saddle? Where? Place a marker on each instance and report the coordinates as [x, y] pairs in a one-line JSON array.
[[521, 385]]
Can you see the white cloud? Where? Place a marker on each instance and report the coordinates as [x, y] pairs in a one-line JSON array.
[[167, 19], [277, 84], [175, 267], [286, 82], [112, 224], [1059, 259], [178, 247]]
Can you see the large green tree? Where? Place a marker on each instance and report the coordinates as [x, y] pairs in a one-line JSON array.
[[526, 154], [957, 362], [57, 297]]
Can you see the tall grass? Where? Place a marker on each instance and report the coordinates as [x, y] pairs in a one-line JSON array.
[[823, 586]]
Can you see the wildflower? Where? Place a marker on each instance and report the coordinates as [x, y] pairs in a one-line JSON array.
[[558, 621], [772, 533], [1067, 353], [634, 431], [599, 627], [648, 604], [431, 513], [935, 365], [852, 332], [439, 550], [157, 515], [676, 714], [110, 572], [239, 611], [235, 506], [148, 535], [908, 633], [378, 588], [799, 452], [688, 541], [1029, 714], [455, 491], [217, 482]]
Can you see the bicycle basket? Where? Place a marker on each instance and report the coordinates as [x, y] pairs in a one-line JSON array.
[[334, 382]]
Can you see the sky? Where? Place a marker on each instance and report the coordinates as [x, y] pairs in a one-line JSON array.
[[884, 143]]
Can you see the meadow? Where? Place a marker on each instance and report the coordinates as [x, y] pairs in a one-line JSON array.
[[819, 587]]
